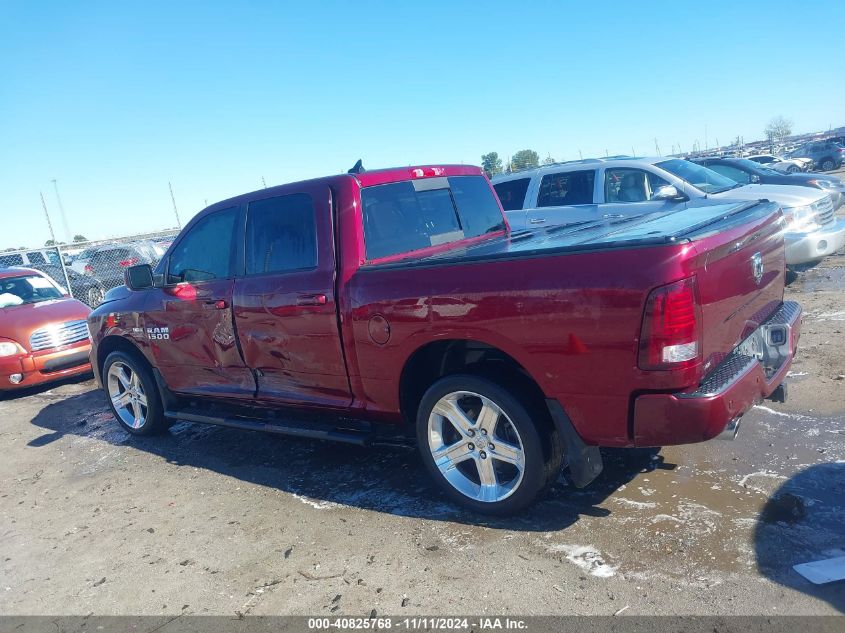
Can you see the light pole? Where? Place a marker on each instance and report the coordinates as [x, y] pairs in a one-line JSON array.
[[175, 210], [65, 226], [55, 244]]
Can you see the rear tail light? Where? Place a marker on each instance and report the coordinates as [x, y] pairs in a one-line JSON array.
[[89, 269], [671, 332], [126, 263]]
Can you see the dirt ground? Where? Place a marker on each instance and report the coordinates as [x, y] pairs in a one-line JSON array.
[[209, 520]]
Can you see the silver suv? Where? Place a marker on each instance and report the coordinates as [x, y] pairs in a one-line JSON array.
[[593, 189]]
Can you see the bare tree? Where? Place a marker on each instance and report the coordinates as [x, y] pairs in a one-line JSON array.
[[778, 129]]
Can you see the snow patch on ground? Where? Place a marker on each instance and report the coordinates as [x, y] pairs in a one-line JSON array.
[[782, 414], [642, 505], [587, 558]]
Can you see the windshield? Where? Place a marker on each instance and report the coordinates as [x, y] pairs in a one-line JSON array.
[[17, 291], [699, 177]]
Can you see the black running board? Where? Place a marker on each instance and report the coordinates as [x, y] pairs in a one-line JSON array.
[[310, 431]]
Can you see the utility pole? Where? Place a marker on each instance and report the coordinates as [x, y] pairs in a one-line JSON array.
[[706, 146], [580, 155], [657, 147], [53, 237], [65, 226], [263, 183], [175, 210], [47, 215]]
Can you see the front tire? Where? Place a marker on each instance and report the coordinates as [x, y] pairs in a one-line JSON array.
[[133, 394], [792, 169], [483, 447], [828, 164]]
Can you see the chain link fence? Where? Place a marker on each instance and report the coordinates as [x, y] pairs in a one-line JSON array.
[[87, 270]]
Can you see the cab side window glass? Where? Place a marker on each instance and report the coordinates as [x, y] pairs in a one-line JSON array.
[[567, 188], [281, 235], [206, 252], [626, 185]]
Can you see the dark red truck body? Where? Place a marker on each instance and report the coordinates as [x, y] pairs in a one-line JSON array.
[[344, 336]]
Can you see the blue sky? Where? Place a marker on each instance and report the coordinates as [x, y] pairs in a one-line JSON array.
[[116, 99]]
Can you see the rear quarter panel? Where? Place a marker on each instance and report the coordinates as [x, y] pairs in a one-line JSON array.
[[572, 321]]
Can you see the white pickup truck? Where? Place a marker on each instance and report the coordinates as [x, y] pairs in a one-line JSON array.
[[595, 188]]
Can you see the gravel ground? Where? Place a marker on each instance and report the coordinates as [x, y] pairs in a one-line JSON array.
[[215, 521]]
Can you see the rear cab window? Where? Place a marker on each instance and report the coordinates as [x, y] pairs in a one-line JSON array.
[[412, 215], [566, 188]]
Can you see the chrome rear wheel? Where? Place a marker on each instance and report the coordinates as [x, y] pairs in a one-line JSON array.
[[476, 446]]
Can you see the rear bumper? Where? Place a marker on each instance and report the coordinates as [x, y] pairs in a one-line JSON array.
[[802, 248], [43, 367], [739, 382]]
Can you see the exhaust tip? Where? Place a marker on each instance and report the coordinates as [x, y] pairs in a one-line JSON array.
[[731, 430]]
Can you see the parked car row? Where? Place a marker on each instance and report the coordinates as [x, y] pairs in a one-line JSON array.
[[826, 155], [600, 189], [93, 270]]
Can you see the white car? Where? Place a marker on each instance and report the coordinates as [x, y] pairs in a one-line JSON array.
[[784, 165], [600, 189]]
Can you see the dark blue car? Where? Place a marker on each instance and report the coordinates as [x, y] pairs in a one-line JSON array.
[[746, 171]]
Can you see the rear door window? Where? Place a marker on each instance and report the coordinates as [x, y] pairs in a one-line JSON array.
[[36, 258], [512, 193], [281, 235], [566, 188], [407, 216], [11, 260], [207, 251]]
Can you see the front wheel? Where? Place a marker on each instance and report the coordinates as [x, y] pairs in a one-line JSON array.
[[791, 169], [133, 395], [828, 164], [482, 446]]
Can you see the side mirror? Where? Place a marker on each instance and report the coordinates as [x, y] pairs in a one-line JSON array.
[[668, 192], [139, 277]]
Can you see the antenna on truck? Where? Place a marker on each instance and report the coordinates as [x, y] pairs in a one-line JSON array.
[[358, 168]]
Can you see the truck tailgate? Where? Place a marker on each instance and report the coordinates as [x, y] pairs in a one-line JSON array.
[[741, 283]]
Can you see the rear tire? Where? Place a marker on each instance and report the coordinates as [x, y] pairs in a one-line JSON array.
[[482, 445], [133, 394]]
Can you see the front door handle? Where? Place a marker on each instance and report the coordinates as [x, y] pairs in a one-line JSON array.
[[311, 300], [536, 220]]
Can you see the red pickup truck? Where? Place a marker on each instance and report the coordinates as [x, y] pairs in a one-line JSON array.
[[390, 305]]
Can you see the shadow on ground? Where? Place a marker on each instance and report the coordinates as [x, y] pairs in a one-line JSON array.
[[25, 392], [802, 522], [381, 479]]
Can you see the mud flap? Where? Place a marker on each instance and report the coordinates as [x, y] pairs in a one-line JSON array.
[[585, 462]]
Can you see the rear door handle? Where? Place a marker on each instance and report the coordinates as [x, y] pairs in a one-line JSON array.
[[311, 300], [218, 304], [536, 220]]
